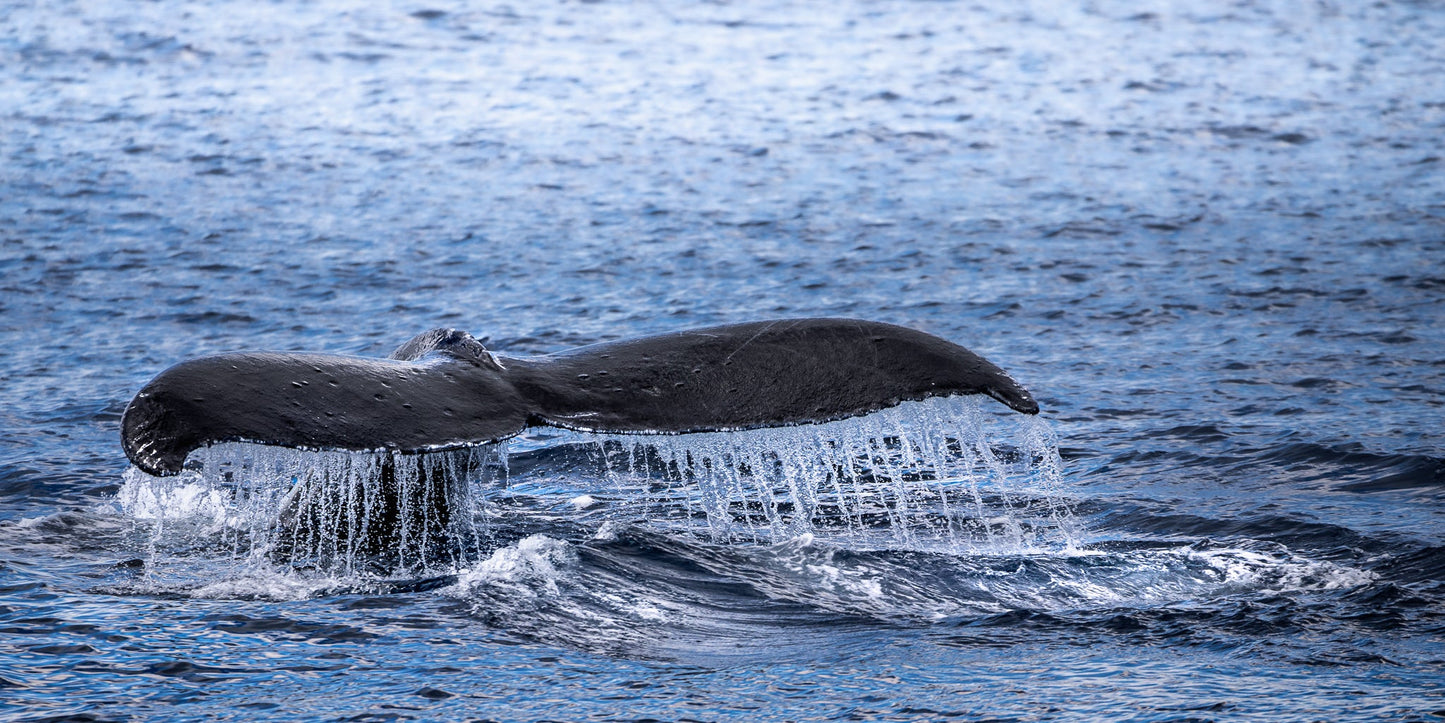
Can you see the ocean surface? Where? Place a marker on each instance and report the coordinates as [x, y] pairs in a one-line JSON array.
[[1208, 236]]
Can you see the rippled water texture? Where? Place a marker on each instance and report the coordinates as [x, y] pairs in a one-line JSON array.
[[1207, 235]]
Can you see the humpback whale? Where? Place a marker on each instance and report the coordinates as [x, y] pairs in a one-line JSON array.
[[443, 390]]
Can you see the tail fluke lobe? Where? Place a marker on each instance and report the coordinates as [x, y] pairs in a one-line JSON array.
[[316, 401], [763, 374], [444, 390]]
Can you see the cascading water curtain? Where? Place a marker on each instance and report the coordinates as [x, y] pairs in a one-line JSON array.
[[921, 474], [340, 513], [938, 474]]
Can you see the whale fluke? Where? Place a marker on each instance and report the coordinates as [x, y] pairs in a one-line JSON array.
[[444, 390]]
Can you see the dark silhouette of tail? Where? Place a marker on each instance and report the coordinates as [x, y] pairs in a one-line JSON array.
[[443, 390]]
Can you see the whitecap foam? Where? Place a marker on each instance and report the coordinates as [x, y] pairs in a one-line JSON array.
[[269, 584], [527, 570]]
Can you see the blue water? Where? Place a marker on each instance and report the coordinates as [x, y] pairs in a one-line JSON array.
[[1207, 236]]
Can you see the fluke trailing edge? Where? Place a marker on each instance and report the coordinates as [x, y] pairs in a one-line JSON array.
[[443, 390]]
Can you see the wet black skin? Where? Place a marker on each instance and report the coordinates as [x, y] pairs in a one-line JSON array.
[[442, 390]]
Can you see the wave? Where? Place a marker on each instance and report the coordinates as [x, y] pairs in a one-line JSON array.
[[1352, 469], [648, 589]]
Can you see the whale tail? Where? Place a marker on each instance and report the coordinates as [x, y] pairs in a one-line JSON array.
[[444, 390]]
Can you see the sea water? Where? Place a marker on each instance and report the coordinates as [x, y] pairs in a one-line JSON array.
[[1206, 236]]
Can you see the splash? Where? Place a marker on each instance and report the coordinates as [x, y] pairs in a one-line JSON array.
[[925, 475]]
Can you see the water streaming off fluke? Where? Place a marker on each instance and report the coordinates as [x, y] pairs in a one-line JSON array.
[[936, 474], [929, 475], [339, 512]]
